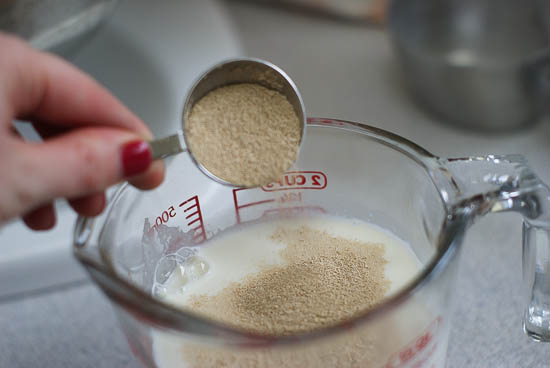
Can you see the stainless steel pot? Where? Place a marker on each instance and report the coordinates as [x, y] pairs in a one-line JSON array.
[[478, 63], [56, 25]]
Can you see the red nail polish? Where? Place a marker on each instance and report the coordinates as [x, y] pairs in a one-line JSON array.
[[136, 158]]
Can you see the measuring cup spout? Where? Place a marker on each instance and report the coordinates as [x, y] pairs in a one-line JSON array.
[[506, 183]]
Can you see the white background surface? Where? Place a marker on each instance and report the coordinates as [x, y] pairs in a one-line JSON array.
[[148, 56]]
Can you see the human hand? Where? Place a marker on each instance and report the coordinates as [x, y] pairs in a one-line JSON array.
[[91, 141]]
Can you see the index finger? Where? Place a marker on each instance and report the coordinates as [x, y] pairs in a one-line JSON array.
[[41, 86]]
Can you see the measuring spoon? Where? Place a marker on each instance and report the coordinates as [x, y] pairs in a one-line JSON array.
[[234, 71]]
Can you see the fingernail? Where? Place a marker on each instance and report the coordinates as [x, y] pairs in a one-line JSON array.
[[136, 158]]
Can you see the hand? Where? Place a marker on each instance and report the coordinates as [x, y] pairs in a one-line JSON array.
[[91, 141]]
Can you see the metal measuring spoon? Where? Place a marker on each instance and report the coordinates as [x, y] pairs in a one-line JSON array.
[[234, 71]]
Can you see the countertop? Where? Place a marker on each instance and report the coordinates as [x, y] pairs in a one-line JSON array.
[[344, 71]]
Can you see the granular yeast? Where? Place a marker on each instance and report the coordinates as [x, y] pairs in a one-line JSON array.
[[324, 280], [245, 134]]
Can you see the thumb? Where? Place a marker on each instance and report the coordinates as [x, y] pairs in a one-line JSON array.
[[85, 161]]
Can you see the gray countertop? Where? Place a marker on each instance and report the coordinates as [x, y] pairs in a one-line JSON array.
[[345, 71]]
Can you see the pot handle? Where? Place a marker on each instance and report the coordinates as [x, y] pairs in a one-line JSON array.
[[506, 183], [541, 74], [540, 68]]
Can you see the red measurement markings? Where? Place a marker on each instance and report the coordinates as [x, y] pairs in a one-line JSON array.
[[290, 197], [298, 180], [193, 216], [291, 211], [417, 352], [292, 180], [239, 207]]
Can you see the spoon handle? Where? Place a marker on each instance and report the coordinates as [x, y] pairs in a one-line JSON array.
[[168, 146]]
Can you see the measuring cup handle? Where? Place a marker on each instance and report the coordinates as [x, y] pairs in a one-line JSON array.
[[506, 183], [163, 147]]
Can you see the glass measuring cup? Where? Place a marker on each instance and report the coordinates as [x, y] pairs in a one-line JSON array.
[[346, 169]]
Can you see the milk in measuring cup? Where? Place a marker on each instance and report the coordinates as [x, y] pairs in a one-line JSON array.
[[236, 254]]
